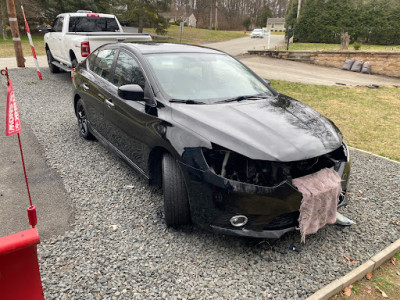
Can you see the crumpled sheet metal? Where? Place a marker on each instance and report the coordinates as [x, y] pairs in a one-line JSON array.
[[321, 191]]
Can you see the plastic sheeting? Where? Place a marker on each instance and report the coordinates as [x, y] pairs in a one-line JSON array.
[[321, 191]]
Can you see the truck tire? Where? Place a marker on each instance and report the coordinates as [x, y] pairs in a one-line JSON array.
[[50, 59], [176, 202]]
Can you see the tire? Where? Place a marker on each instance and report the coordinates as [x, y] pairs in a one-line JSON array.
[[176, 202], [74, 62], [50, 59], [82, 121]]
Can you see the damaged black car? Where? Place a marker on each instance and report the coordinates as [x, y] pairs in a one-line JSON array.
[[224, 146]]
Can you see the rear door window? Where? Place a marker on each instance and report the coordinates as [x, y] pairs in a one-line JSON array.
[[102, 63], [92, 24]]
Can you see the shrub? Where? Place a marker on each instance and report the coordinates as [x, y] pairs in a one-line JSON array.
[[357, 45]]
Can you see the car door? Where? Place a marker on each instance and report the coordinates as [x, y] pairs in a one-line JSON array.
[[129, 127], [95, 86], [56, 37], [52, 38]]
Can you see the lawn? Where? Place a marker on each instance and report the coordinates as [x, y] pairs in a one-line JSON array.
[[330, 47], [385, 281], [368, 118], [199, 35], [7, 47]]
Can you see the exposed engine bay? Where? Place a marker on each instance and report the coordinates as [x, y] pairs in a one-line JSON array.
[[234, 166]]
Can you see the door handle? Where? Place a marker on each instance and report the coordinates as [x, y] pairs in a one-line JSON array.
[[85, 86], [109, 103]]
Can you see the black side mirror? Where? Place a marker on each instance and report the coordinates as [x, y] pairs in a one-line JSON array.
[[44, 28], [267, 81], [131, 92]]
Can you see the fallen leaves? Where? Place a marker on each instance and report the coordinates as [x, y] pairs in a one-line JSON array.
[[347, 290], [393, 260], [382, 293], [348, 259], [368, 276]]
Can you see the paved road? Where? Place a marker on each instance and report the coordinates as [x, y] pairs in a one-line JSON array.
[[279, 69], [242, 45], [46, 186]]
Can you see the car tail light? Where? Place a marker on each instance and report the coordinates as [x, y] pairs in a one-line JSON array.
[[72, 73], [92, 15], [85, 49]]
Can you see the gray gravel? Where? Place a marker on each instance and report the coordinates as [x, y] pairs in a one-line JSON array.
[[119, 247]]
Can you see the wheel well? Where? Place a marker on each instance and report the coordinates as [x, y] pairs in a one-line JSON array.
[[154, 164], [72, 55], [47, 47], [76, 99]]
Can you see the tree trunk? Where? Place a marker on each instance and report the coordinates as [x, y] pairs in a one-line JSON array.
[[3, 23], [141, 12]]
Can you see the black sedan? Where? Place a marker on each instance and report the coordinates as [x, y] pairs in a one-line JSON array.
[[222, 144]]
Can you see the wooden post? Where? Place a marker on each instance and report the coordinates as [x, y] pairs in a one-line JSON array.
[[12, 17]]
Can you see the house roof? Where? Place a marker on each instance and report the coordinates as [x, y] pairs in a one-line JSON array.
[[275, 20]]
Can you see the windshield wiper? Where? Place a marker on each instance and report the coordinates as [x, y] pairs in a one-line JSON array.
[[185, 101], [241, 98]]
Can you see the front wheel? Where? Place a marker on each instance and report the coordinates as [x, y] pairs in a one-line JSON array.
[[176, 202], [82, 121], [50, 59]]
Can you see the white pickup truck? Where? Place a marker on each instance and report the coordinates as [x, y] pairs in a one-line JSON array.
[[73, 36]]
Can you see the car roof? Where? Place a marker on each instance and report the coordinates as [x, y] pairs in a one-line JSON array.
[[147, 48]]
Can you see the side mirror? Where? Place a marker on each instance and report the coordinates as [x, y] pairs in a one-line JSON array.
[[44, 28], [131, 92], [267, 81]]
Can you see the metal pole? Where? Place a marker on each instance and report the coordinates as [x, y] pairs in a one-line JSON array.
[[12, 17], [28, 32]]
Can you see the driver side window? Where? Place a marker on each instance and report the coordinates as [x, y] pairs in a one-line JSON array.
[[127, 71], [55, 23], [102, 63]]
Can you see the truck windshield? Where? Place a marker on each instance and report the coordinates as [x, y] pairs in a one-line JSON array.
[[92, 24]]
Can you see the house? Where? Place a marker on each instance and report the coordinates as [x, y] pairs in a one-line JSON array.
[[189, 19], [276, 24]]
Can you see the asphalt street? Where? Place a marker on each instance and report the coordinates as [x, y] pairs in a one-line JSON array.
[[52, 203]]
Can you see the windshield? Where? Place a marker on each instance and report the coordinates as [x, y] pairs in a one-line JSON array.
[[205, 77], [92, 24], [257, 30]]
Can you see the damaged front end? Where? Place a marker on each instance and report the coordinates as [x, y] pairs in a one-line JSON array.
[[233, 194]]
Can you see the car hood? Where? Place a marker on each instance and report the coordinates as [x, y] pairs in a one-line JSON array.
[[276, 129]]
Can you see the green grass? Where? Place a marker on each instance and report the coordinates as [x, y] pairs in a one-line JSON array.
[[330, 47], [199, 35], [7, 47], [368, 118]]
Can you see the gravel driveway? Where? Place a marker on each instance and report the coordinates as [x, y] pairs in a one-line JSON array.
[[119, 247]]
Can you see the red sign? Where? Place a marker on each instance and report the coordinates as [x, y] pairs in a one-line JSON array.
[[13, 123]]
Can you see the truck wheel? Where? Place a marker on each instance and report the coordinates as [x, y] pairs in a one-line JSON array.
[[176, 202], [74, 62], [50, 59]]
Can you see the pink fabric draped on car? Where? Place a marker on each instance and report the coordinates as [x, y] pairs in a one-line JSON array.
[[321, 191]]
